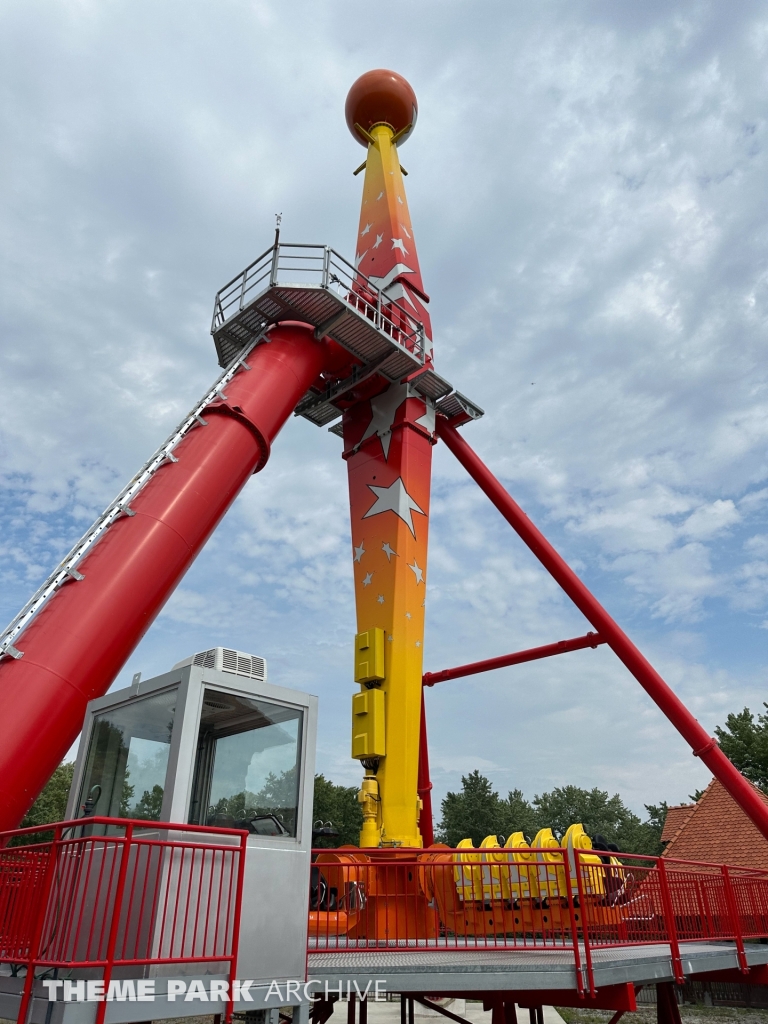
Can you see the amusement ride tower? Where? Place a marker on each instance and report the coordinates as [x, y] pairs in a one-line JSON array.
[[389, 432], [302, 331]]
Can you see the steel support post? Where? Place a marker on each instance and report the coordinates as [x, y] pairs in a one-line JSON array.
[[426, 821], [703, 745], [667, 1010]]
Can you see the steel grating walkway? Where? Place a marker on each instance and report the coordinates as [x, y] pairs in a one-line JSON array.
[[457, 971], [313, 284]]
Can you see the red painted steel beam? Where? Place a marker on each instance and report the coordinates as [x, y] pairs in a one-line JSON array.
[[609, 997], [424, 785], [578, 643], [758, 975], [702, 744], [79, 642]]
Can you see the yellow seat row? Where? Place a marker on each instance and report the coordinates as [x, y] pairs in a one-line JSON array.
[[545, 869]]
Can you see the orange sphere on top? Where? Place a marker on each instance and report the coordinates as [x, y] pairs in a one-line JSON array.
[[381, 96]]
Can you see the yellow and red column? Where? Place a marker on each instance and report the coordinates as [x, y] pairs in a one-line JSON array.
[[388, 438]]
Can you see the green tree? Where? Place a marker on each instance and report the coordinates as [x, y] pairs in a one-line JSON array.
[[745, 741], [51, 805], [150, 805], [519, 815], [601, 814], [474, 813], [338, 805], [654, 826], [593, 808], [477, 811]]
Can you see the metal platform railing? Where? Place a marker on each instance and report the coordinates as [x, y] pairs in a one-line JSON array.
[[146, 893], [530, 899], [316, 285]]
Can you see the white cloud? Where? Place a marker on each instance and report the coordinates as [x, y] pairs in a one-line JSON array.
[[587, 189]]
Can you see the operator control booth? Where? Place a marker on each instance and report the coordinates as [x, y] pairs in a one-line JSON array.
[[210, 743]]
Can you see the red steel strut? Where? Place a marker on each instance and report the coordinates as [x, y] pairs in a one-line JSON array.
[[703, 745], [80, 640], [426, 821], [578, 643]]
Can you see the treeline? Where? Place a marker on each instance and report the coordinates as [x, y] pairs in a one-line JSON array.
[[478, 811]]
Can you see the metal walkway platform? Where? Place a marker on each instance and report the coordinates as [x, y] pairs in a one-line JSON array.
[[462, 971], [315, 285]]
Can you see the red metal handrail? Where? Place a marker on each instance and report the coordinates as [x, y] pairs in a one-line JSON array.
[[120, 900], [521, 899]]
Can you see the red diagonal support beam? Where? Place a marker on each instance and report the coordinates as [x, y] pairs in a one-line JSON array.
[[426, 823], [578, 643], [703, 745]]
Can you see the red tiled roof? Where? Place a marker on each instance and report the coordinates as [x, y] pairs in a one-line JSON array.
[[718, 831], [675, 819]]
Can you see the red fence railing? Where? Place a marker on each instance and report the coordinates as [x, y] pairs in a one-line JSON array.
[[158, 893], [522, 898], [142, 893]]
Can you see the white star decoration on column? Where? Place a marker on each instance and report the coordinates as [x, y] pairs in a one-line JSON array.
[[428, 419], [398, 243], [380, 599], [367, 579], [383, 409], [407, 615], [366, 229], [379, 240], [388, 551], [417, 572], [395, 499], [359, 552]]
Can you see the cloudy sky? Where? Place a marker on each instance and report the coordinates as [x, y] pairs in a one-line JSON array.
[[587, 183]]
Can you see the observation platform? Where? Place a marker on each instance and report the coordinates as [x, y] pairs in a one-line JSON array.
[[317, 286], [462, 971]]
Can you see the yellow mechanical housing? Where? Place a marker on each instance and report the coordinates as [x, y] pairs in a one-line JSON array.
[[368, 731], [369, 656]]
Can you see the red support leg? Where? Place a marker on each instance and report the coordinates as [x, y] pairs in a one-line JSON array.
[[667, 1010], [426, 825], [703, 745]]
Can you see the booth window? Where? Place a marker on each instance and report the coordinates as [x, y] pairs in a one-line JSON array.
[[247, 765], [128, 759]]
